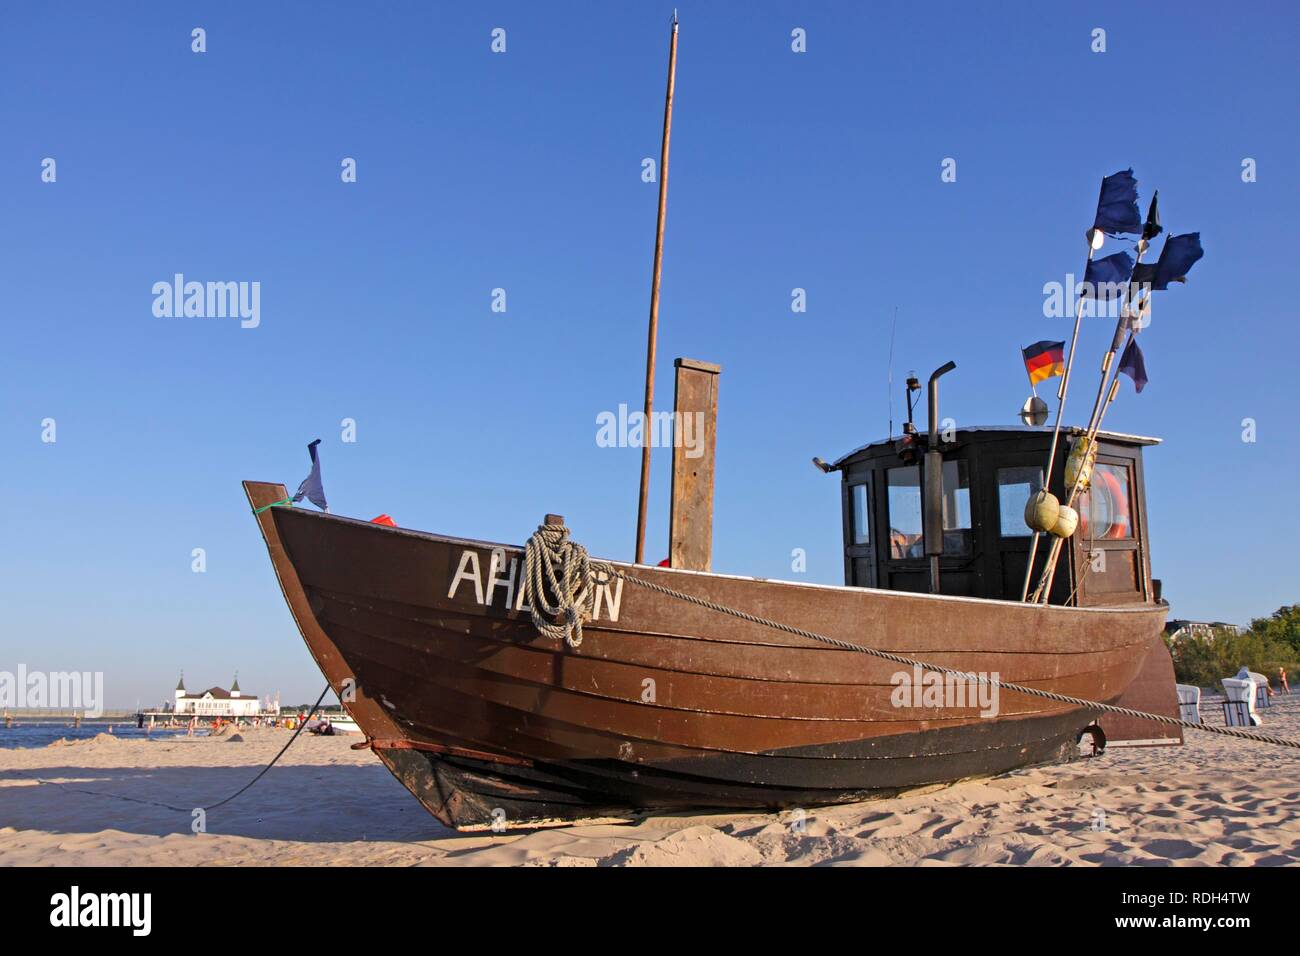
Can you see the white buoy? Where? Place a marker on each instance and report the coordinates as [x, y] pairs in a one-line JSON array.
[[1042, 510], [1034, 411], [1067, 520]]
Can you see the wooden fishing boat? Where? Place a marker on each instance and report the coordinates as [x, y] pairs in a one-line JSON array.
[[666, 705]]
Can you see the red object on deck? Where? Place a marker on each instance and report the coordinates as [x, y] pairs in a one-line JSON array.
[[384, 519], [666, 563]]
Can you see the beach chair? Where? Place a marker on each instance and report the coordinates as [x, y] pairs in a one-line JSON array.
[[1261, 689], [1261, 686], [1189, 703], [1239, 703]]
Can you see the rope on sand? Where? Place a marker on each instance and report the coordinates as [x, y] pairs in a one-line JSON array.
[[572, 558], [168, 806]]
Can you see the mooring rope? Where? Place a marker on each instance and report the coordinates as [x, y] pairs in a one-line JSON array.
[[556, 566], [561, 551], [168, 806]]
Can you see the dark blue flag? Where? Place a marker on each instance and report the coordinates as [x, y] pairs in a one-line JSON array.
[[1176, 259], [1105, 278], [1152, 227], [1132, 364], [1117, 206], [311, 487]]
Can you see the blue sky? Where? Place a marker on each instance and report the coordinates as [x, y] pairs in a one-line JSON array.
[[522, 171]]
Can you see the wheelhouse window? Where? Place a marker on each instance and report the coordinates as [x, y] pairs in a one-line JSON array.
[[1015, 485], [905, 513], [1106, 508], [861, 514], [956, 509], [904, 500]]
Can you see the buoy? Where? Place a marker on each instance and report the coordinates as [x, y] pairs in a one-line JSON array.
[[1034, 411], [1067, 520], [1078, 466], [1041, 510]]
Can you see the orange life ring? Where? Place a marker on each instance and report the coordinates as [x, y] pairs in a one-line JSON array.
[[1120, 520]]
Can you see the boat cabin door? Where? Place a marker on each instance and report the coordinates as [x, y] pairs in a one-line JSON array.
[[859, 551]]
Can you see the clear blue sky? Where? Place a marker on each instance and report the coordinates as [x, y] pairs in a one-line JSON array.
[[523, 171]]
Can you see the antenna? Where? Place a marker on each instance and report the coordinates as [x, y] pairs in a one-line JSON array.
[[893, 329]]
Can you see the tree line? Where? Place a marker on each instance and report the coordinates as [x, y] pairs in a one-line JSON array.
[[1268, 644]]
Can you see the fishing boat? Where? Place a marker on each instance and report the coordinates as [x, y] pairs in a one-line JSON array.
[[509, 684], [667, 705]]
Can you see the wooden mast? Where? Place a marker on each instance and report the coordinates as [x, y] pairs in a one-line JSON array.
[[654, 298]]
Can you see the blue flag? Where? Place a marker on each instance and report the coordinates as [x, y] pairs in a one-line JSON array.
[[1176, 259], [311, 487], [1152, 227], [1132, 364], [1105, 278], [1117, 206]]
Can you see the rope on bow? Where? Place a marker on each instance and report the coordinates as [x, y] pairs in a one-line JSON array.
[[559, 582]]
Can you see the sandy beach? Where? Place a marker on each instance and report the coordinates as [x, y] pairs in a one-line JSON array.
[[1213, 801]]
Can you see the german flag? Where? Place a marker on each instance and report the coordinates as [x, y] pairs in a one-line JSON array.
[[1044, 360]]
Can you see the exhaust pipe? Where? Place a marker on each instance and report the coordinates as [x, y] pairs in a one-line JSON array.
[[933, 516]]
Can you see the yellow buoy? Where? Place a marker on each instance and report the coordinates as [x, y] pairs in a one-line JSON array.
[[1067, 520], [1078, 466], [1041, 510]]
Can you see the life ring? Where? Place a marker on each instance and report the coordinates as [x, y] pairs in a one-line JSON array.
[[1121, 525]]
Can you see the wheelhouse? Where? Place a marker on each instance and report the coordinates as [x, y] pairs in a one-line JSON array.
[[988, 475]]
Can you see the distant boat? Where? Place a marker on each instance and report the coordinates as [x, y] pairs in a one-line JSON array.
[[330, 724], [343, 724]]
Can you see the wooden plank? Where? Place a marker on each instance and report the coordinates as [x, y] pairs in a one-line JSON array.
[[695, 407], [1153, 691]]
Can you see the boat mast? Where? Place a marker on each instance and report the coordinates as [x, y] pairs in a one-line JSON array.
[[654, 297]]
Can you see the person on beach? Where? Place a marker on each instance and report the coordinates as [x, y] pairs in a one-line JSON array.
[[1281, 675]]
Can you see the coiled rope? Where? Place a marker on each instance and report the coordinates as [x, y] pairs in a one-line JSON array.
[[557, 567], [560, 552]]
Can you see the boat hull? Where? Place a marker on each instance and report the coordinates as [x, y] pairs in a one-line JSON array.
[[666, 705]]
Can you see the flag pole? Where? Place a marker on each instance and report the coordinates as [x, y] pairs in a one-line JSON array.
[[653, 334], [1099, 411], [1150, 229], [1061, 394], [1094, 427], [1099, 407]]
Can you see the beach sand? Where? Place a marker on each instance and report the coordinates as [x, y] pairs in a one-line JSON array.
[[1213, 801]]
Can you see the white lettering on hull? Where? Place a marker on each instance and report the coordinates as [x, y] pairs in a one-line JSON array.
[[507, 577]]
